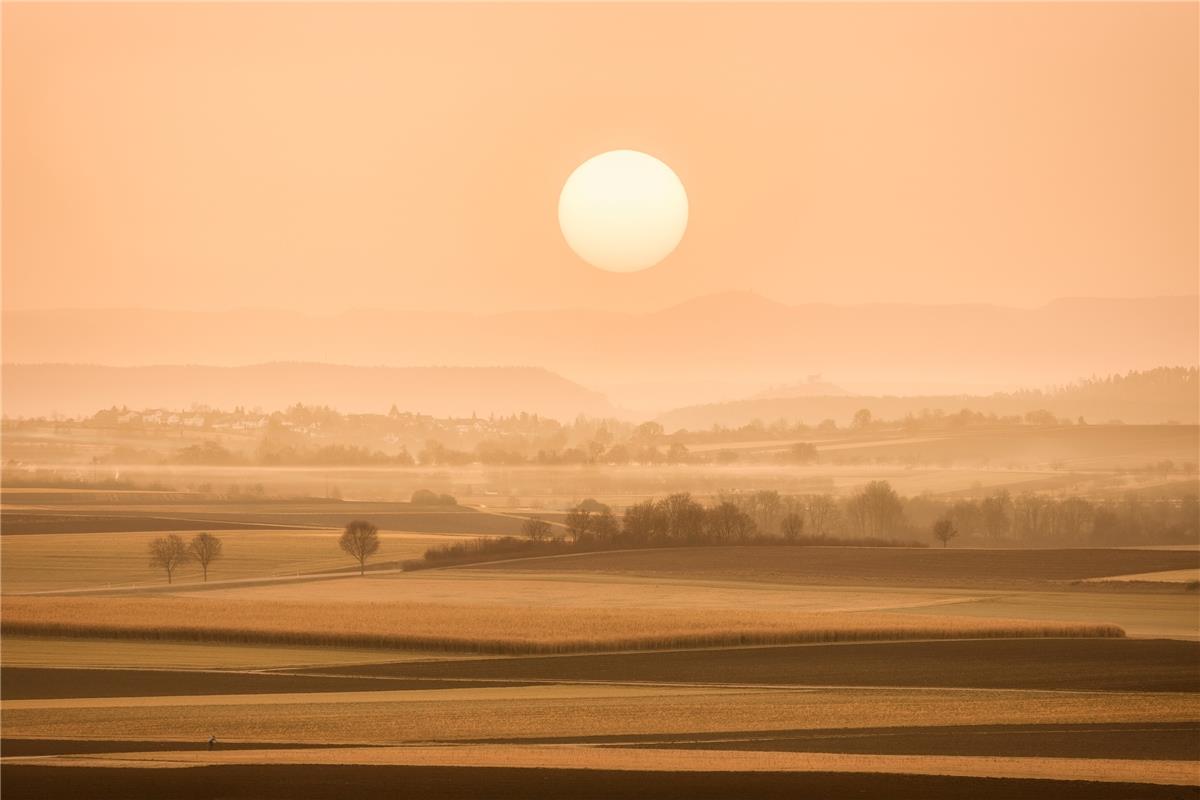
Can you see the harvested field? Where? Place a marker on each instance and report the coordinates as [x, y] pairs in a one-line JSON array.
[[538, 712], [1060, 664], [49, 747], [327, 782], [25, 684], [582, 590], [485, 629], [860, 565], [1168, 741], [1168, 576], [665, 760], [21, 651], [1174, 615], [15, 523], [412, 519], [1136, 741]]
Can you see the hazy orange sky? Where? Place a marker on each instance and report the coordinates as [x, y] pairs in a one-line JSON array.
[[322, 157]]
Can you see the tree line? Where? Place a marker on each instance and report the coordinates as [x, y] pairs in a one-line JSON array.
[[878, 512]]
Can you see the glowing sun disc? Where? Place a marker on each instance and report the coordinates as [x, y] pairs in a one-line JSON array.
[[623, 211]]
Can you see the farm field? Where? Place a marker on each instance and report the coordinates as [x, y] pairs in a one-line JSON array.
[[1154, 613], [102, 519], [562, 711], [889, 566], [332, 782], [954, 670], [1059, 665], [35, 651], [43, 562], [488, 629]]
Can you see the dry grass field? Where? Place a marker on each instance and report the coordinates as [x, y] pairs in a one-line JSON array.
[[537, 712], [548, 589], [664, 760], [40, 651], [479, 628]]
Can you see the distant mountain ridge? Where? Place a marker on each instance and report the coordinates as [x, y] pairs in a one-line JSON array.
[[43, 389], [1166, 394], [654, 361]]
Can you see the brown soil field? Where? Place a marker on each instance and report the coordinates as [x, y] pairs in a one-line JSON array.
[[324, 782], [864, 565], [1138, 741], [36, 683], [485, 628], [1055, 664]]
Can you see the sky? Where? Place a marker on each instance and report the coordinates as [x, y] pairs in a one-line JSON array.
[[323, 157]]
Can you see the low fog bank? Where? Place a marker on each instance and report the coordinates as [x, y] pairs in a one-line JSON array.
[[708, 349]]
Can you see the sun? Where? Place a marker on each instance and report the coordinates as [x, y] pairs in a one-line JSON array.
[[623, 211]]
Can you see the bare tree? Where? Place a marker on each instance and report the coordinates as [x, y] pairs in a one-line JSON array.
[[725, 523], [943, 531], [882, 508], [579, 523], [822, 513], [169, 553], [537, 529], [204, 549], [360, 540], [605, 527], [792, 527]]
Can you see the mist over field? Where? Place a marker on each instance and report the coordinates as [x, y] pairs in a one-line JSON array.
[[713, 348]]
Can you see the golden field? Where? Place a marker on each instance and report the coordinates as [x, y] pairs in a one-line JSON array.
[[571, 711], [42, 562], [40, 651], [488, 629], [1119, 770]]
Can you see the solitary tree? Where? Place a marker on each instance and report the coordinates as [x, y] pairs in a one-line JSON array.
[[205, 549], [360, 539], [169, 553], [792, 527], [943, 531], [537, 529]]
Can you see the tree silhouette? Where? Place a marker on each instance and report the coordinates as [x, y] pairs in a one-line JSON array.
[[943, 531], [537, 529], [204, 549], [360, 540], [169, 553], [792, 526]]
